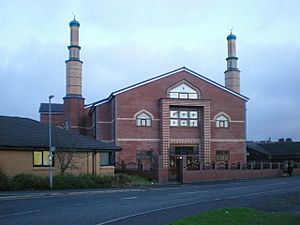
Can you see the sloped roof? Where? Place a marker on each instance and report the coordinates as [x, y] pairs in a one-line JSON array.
[[56, 108], [166, 75], [275, 149], [24, 133]]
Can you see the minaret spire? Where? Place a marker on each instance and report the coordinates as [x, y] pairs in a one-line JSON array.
[[232, 74], [73, 101], [74, 65]]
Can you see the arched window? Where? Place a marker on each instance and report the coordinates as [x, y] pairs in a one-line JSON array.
[[183, 91], [143, 119], [222, 121]]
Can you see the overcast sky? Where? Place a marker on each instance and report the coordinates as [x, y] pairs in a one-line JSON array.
[[124, 42]]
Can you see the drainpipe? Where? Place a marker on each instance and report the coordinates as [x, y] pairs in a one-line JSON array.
[[94, 163]]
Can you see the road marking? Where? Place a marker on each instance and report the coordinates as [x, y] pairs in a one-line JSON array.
[[20, 213], [62, 194], [188, 192], [183, 205], [129, 198]]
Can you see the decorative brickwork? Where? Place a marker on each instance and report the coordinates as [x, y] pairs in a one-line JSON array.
[[116, 123], [205, 129]]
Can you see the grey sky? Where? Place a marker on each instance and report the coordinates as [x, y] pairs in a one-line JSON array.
[[124, 42]]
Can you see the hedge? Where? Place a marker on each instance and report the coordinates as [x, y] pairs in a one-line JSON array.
[[68, 181]]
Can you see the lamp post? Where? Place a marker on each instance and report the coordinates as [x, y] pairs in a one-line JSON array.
[[50, 156]]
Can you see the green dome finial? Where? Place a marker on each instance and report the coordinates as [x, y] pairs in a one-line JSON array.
[[231, 36], [74, 22]]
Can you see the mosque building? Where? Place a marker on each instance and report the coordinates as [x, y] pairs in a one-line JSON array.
[[177, 114]]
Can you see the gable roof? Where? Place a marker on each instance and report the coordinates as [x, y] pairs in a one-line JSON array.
[[166, 75], [24, 133], [276, 149]]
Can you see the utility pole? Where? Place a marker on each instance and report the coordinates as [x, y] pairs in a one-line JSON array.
[[51, 149]]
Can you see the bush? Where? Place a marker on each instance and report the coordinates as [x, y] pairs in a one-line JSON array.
[[68, 181], [124, 179], [4, 181], [103, 181], [29, 182]]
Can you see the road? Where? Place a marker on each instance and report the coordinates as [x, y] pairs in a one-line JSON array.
[[155, 204]]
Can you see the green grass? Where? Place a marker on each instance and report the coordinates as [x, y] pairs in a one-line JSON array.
[[239, 216]]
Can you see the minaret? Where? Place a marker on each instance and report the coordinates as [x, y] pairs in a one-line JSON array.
[[73, 101], [232, 74]]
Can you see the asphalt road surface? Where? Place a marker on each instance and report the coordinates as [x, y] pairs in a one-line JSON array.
[[157, 204]]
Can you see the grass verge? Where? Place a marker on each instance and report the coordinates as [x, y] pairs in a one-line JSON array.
[[239, 216]]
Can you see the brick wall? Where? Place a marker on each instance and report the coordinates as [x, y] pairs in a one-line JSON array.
[[57, 119], [118, 118], [213, 175]]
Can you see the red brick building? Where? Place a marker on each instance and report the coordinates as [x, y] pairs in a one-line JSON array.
[[177, 114]]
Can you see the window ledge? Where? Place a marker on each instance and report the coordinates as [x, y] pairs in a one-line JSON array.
[[107, 167], [42, 168]]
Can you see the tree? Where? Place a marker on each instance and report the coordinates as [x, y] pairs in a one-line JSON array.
[[69, 159]]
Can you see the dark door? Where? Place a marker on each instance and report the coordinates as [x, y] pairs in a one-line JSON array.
[[179, 169], [176, 169]]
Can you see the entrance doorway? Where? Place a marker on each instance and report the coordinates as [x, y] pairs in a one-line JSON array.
[[177, 154], [176, 169]]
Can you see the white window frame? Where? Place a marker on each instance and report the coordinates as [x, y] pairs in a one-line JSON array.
[[143, 119], [184, 118], [184, 90], [222, 121], [174, 114]]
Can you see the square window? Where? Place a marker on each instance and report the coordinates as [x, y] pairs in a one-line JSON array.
[[183, 95], [193, 123], [173, 95], [41, 158], [183, 123], [173, 122], [173, 114], [183, 114], [222, 155], [193, 96], [193, 114]]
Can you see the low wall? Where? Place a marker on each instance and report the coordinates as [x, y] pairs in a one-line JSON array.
[[213, 175]]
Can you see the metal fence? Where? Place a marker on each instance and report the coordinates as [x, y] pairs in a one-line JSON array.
[[253, 165], [148, 169]]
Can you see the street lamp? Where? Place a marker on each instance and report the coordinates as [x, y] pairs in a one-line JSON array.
[[51, 149]]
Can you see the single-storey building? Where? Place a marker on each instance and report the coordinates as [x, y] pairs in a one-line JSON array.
[[273, 151], [24, 148]]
